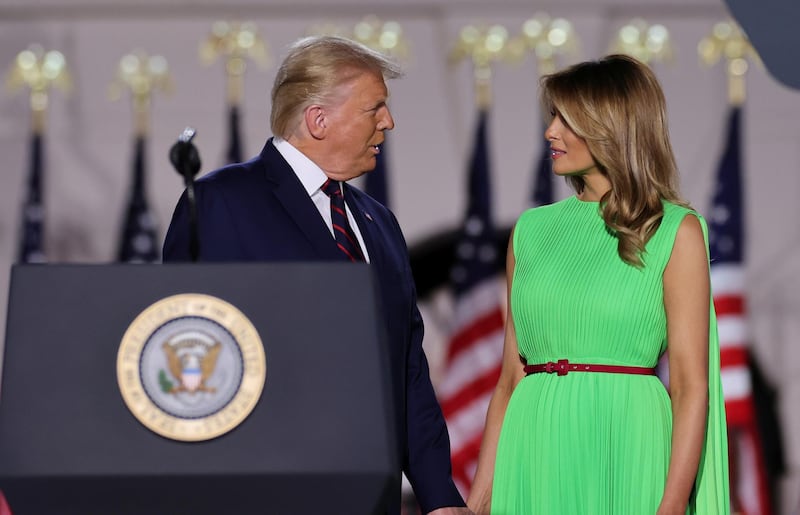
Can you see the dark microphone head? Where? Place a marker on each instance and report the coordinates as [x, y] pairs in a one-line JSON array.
[[184, 155]]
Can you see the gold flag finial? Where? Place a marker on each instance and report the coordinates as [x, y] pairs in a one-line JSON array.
[[728, 40], [39, 71], [385, 37], [236, 42], [142, 74], [646, 42], [327, 28], [547, 38], [483, 46]]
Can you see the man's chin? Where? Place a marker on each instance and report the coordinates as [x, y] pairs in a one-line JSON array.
[[371, 165], [356, 175]]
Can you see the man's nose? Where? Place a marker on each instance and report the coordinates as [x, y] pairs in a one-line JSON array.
[[387, 122]]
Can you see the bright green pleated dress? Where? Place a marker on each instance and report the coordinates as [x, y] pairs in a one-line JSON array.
[[588, 442]]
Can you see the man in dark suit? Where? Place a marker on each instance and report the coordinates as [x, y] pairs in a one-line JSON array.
[[328, 116]]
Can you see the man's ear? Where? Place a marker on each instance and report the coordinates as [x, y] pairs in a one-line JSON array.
[[316, 121]]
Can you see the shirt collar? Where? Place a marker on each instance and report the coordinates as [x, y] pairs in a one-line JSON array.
[[311, 176]]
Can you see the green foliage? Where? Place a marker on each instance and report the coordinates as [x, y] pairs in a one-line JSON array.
[[164, 382]]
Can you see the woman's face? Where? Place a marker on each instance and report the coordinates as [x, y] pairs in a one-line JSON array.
[[569, 152]]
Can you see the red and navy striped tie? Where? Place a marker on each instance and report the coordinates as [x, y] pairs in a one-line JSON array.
[[345, 238]]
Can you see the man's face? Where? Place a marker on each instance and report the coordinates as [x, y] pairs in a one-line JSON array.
[[355, 122]]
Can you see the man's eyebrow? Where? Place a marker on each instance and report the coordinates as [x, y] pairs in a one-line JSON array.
[[376, 105]]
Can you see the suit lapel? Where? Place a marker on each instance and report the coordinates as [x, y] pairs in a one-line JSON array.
[[290, 193], [370, 230]]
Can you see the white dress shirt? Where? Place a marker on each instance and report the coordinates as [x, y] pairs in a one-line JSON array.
[[312, 177]]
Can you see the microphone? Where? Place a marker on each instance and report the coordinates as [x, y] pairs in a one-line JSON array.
[[186, 160], [184, 156]]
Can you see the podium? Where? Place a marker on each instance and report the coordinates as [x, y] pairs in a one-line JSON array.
[[319, 439]]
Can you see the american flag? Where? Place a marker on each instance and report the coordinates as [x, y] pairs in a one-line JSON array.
[[31, 247], [138, 241], [475, 348], [749, 487]]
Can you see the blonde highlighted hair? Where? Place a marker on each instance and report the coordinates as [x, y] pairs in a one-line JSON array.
[[311, 72], [617, 106]]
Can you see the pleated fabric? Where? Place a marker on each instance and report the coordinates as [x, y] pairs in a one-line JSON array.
[[596, 443]]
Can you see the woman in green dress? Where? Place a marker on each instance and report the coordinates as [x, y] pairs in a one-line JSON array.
[[601, 284]]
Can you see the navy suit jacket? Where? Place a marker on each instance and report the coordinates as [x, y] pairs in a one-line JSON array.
[[259, 211]]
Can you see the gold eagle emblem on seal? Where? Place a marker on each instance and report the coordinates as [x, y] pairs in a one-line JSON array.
[[191, 367]]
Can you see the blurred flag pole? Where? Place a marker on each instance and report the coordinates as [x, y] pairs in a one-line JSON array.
[[235, 42], [387, 38], [547, 39], [475, 350], [39, 71], [750, 492], [141, 74]]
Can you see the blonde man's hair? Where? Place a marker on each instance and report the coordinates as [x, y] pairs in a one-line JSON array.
[[312, 71], [617, 106]]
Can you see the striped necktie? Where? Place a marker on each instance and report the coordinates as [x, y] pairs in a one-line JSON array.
[[345, 238]]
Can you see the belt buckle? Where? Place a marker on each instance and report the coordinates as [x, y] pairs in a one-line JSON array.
[[559, 368]]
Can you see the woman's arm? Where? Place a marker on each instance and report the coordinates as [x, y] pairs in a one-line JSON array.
[[686, 298], [480, 496]]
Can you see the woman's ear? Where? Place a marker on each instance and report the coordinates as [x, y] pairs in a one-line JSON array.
[[316, 121]]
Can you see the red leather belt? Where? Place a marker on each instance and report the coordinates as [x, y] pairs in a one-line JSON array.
[[563, 367]]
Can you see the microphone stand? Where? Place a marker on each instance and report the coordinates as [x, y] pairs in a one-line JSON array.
[[184, 157]]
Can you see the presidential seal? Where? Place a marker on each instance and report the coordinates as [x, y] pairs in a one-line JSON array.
[[191, 367]]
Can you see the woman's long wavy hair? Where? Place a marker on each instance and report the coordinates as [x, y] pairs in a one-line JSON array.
[[617, 106]]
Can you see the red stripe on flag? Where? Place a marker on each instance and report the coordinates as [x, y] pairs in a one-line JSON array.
[[472, 332], [739, 412], [748, 473], [464, 456], [728, 305], [471, 391], [733, 356]]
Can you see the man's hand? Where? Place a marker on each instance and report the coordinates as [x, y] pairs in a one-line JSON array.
[[451, 511]]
